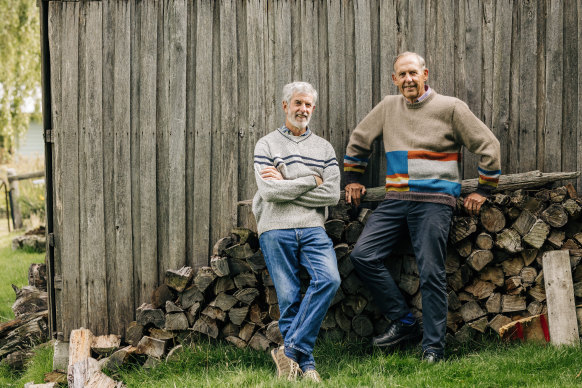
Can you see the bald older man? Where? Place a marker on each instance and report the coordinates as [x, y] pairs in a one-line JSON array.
[[423, 133]]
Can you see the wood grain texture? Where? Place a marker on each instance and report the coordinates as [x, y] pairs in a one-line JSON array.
[[157, 106], [560, 298], [120, 265]]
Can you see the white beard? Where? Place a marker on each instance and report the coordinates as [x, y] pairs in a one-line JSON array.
[[298, 124]]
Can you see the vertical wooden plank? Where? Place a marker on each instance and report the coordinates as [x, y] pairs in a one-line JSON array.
[[323, 69], [363, 71], [501, 78], [350, 59], [55, 31], [527, 87], [552, 134], [514, 91], [176, 221], [474, 72], [560, 298], [282, 54], [444, 57], [579, 126], [337, 75], [148, 270], [191, 62], [216, 127], [297, 24], [309, 32], [254, 99], [120, 279], [163, 117], [135, 75], [272, 95], [228, 179], [571, 47], [541, 93], [416, 27], [81, 192], [377, 71], [108, 101], [202, 133], [431, 36], [93, 264], [388, 49], [246, 144], [460, 51], [487, 26]]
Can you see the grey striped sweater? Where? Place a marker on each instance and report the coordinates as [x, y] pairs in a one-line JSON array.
[[296, 201]]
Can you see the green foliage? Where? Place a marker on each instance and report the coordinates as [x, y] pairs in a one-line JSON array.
[[41, 363], [19, 68]]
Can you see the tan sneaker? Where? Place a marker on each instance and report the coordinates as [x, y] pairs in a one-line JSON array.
[[312, 375], [286, 367]]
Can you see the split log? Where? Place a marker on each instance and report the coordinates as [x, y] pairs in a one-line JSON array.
[[259, 342], [556, 238], [161, 295], [484, 241], [246, 295], [524, 222], [493, 304], [105, 344], [512, 303], [237, 266], [237, 315], [204, 278], [509, 240], [245, 279], [493, 275], [190, 296], [221, 245], [479, 259], [512, 267], [147, 314], [220, 266], [464, 248], [29, 299], [223, 284], [480, 289], [224, 301], [471, 311], [334, 229], [480, 324], [240, 251], [352, 232], [179, 279], [206, 326], [257, 262], [246, 331], [492, 219], [555, 216], [236, 342], [151, 347], [273, 333], [214, 313], [462, 228], [176, 321], [362, 325], [537, 234]]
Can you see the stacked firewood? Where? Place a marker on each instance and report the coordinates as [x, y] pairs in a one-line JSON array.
[[494, 276]]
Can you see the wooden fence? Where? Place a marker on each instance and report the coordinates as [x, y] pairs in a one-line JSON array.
[[156, 106]]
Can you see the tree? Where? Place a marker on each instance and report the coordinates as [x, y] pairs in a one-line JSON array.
[[19, 69]]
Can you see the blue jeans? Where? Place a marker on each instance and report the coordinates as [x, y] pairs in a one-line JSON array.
[[428, 225], [285, 251]]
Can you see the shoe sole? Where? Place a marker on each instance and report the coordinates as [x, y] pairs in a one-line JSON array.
[[408, 338]]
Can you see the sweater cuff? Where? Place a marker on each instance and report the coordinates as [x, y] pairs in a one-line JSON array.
[[484, 190], [353, 177]]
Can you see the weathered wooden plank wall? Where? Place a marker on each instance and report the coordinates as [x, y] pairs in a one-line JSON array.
[[157, 106]]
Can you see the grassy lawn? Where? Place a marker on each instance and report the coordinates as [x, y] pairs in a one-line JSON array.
[[14, 269]]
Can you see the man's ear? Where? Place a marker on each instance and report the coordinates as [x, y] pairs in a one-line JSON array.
[[284, 106], [425, 75], [394, 79]]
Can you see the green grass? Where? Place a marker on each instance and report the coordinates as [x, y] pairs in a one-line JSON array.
[[14, 265], [490, 364]]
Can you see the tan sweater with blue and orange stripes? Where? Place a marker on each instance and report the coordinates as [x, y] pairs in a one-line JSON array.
[[423, 144]]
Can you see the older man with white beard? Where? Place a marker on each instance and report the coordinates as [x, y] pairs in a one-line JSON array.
[[297, 178]]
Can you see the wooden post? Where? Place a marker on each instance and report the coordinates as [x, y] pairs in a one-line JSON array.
[[14, 194], [560, 298]]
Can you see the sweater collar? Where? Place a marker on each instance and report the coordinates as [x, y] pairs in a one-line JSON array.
[[422, 100], [289, 135]]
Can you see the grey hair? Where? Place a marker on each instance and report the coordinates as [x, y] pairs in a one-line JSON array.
[[298, 87], [418, 57]]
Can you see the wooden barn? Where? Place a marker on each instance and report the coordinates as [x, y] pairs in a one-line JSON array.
[[152, 109]]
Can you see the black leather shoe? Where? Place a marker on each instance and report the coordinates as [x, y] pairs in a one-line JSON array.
[[397, 333], [431, 357]]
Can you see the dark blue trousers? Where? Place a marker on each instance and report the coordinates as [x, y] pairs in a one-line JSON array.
[[428, 225]]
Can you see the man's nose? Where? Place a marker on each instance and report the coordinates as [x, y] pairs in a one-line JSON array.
[[408, 78]]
